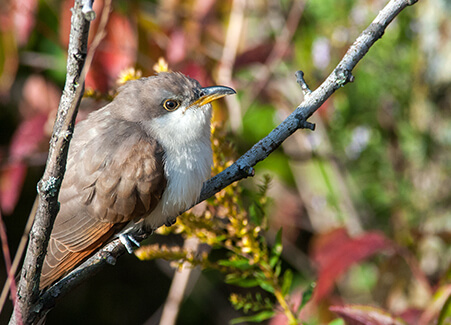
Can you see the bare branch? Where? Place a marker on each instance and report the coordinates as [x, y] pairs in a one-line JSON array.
[[243, 167], [49, 185]]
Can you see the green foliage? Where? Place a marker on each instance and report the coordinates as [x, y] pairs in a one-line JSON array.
[[445, 313]]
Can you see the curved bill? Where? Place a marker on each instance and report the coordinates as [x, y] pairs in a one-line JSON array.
[[210, 94]]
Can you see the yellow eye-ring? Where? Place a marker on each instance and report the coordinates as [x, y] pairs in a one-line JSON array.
[[171, 104]]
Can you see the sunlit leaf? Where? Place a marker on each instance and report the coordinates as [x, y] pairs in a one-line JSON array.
[[287, 281]]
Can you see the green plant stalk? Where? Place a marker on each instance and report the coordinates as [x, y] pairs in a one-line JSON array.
[[286, 309], [279, 295]]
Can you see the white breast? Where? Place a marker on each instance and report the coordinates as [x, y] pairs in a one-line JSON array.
[[185, 138]]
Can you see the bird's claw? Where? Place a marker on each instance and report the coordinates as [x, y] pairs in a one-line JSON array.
[[128, 241]]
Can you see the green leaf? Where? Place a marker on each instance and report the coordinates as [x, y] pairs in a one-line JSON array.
[[242, 264], [287, 281], [445, 312], [260, 317], [277, 249], [247, 306], [338, 321], [256, 213], [278, 269], [266, 285], [242, 282], [307, 295]]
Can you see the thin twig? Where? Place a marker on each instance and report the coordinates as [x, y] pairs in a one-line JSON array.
[[9, 272], [300, 80], [19, 253]]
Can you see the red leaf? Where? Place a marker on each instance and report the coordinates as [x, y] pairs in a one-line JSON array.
[[336, 252], [23, 15], [25, 142], [39, 96], [412, 315], [365, 315], [325, 244], [65, 16], [116, 52], [198, 72], [27, 137], [177, 47], [12, 177], [257, 54]]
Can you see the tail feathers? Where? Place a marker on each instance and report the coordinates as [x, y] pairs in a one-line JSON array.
[[60, 259]]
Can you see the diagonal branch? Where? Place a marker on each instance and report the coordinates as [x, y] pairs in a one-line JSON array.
[[243, 167], [311, 103]]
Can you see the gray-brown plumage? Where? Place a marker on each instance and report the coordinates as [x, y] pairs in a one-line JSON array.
[[140, 159]]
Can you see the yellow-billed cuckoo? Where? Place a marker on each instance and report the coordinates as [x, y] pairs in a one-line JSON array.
[[136, 162]]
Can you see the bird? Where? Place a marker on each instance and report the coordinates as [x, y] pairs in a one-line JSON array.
[[133, 164]]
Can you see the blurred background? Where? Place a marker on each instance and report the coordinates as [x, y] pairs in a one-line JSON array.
[[364, 200]]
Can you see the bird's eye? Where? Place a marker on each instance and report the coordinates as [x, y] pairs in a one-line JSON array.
[[171, 104]]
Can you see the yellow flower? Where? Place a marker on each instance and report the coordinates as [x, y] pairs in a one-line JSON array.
[[161, 66]]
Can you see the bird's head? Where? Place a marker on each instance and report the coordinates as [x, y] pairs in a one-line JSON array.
[[169, 105]]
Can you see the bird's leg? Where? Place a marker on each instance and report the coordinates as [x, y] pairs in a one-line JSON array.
[[132, 235], [128, 241]]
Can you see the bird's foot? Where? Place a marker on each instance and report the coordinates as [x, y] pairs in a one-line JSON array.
[[128, 241]]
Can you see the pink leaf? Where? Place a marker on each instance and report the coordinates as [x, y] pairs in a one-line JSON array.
[[177, 47], [12, 177], [23, 14], [365, 315], [39, 96], [198, 72], [27, 138], [116, 52], [337, 252], [25, 142]]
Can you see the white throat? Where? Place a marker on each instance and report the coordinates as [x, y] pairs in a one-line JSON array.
[[185, 138]]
